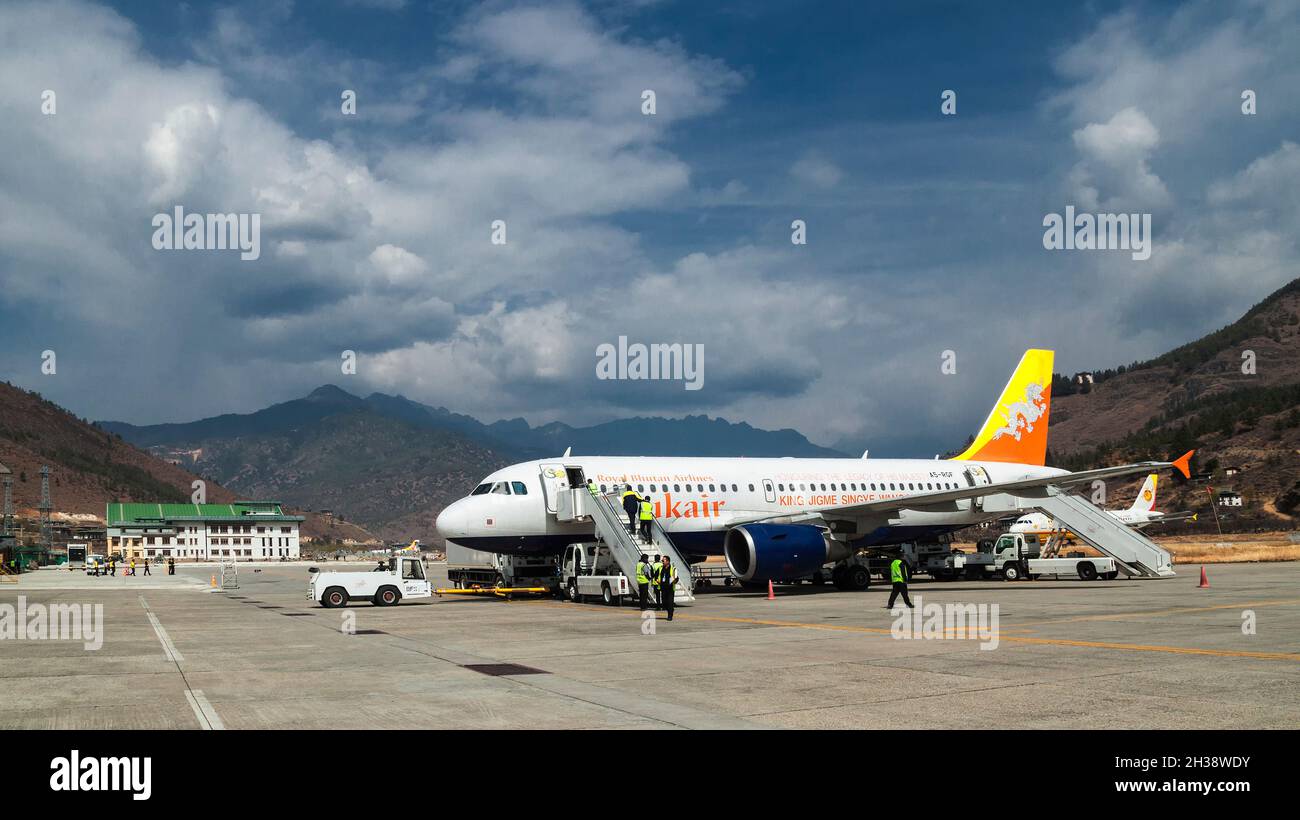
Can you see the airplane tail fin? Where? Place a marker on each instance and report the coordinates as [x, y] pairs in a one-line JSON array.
[[1016, 429], [1183, 463], [1146, 499]]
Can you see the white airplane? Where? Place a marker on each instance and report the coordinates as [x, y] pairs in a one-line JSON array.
[[785, 517], [1141, 514]]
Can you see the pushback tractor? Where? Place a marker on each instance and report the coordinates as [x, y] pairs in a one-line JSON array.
[[386, 585]]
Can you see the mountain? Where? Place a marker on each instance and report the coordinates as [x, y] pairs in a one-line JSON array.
[[1203, 395], [391, 463], [88, 466], [692, 435]]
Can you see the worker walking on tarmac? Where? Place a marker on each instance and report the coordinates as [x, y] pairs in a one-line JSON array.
[[631, 506], [647, 516], [146, 567], [171, 566], [643, 574], [666, 577], [898, 578]]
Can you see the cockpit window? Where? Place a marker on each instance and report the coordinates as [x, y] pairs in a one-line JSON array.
[[520, 487], [482, 488], [501, 488]]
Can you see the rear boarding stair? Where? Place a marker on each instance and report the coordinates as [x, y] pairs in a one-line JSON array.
[[1133, 552]]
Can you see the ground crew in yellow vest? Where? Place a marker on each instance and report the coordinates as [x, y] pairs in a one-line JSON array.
[[898, 578], [631, 506], [643, 574], [647, 515], [666, 577], [591, 487]]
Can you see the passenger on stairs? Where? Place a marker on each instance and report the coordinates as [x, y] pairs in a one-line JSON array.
[[631, 506], [647, 515]]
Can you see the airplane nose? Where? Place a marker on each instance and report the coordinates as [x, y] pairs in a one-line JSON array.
[[451, 522]]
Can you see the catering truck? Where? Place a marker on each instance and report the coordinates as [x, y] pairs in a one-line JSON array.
[[385, 585], [468, 569]]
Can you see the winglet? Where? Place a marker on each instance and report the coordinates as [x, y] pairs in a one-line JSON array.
[[1183, 464]]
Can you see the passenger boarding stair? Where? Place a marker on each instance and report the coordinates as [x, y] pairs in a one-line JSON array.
[[611, 526], [1133, 552]]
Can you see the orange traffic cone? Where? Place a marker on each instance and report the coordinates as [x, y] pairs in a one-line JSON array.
[[1205, 582], [771, 593], [214, 581]]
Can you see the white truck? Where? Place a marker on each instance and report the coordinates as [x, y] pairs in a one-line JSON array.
[[1016, 555], [1012, 557], [589, 569], [385, 585]]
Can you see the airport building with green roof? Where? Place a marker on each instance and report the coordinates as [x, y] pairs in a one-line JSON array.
[[242, 531]]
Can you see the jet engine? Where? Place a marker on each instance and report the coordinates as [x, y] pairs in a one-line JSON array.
[[761, 552]]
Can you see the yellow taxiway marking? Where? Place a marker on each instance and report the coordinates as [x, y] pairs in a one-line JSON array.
[[1180, 650], [1002, 635], [1176, 611]]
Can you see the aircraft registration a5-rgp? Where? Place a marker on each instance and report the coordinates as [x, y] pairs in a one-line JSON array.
[[786, 517]]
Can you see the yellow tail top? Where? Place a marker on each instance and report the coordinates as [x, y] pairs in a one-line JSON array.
[[1016, 429]]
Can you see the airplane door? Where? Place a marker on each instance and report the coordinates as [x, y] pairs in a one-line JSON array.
[[977, 476], [554, 480], [769, 491]]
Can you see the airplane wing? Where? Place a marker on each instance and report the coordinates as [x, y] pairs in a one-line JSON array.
[[944, 499], [1178, 516]]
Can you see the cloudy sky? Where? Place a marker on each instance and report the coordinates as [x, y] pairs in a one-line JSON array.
[[924, 230]]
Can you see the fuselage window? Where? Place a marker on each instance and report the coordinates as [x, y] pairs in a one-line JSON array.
[[710, 488], [602, 488], [734, 490], [640, 488], [751, 487], [781, 487], [522, 489], [677, 488]]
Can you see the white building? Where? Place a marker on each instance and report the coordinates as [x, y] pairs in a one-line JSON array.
[[243, 531]]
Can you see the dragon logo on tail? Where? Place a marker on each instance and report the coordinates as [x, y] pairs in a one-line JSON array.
[[1020, 416]]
